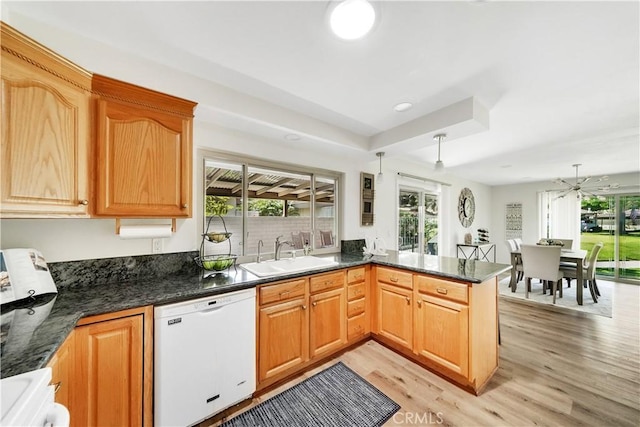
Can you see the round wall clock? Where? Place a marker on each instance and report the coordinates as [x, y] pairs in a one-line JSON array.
[[466, 207]]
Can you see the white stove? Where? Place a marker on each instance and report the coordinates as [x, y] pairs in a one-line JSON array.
[[28, 400]]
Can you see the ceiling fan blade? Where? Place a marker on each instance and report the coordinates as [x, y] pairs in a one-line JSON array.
[[561, 196], [583, 180]]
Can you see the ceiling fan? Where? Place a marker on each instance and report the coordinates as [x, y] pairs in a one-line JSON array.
[[578, 185]]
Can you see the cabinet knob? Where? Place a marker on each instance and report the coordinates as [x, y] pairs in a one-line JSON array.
[[84, 202], [185, 206], [408, 300], [304, 307], [314, 303], [419, 303]]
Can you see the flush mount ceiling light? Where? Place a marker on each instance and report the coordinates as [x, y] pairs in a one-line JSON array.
[[380, 176], [352, 19], [439, 166], [403, 106]]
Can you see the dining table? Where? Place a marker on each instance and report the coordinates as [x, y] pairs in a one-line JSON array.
[[572, 256]]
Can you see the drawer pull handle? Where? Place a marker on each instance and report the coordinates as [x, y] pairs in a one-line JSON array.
[[284, 293], [57, 386], [394, 279], [442, 291]]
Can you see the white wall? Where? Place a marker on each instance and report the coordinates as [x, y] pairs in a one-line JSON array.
[[527, 195], [74, 239]]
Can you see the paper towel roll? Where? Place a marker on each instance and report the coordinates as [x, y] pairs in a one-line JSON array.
[[152, 231]]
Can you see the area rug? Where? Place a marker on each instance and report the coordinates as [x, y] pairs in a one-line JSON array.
[[602, 308], [336, 397]]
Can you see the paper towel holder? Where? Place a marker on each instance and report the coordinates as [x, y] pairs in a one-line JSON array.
[[173, 225]]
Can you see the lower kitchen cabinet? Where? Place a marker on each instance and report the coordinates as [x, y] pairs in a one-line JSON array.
[[442, 332], [283, 337], [62, 364], [107, 364], [327, 321], [395, 314]]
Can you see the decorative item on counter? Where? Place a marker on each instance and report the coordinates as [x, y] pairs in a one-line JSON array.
[[483, 235], [216, 206], [375, 247], [468, 239], [550, 242]]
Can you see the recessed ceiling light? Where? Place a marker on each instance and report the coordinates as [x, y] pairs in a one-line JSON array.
[[403, 106], [352, 19], [292, 137]]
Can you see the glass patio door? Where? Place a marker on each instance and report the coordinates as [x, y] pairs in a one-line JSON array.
[[614, 221], [417, 221]]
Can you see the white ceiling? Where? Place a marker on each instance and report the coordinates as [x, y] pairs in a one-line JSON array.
[[560, 80]]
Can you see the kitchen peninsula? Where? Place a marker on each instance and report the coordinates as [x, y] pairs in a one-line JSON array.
[[85, 290]]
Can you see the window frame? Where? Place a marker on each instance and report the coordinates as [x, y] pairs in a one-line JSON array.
[[245, 162]]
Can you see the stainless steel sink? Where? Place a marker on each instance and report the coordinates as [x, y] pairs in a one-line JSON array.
[[287, 266]]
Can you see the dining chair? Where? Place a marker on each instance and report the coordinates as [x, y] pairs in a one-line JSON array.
[[296, 239], [513, 247], [588, 271], [518, 242], [326, 237], [542, 262], [566, 243]]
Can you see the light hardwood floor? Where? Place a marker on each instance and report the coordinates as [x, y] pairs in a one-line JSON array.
[[557, 368]]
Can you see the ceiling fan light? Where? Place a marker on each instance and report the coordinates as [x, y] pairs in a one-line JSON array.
[[352, 19]]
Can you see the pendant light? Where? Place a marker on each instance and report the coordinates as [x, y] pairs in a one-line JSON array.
[[380, 178], [439, 166]]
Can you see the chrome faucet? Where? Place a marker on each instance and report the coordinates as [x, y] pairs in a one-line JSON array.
[[278, 246], [260, 244]]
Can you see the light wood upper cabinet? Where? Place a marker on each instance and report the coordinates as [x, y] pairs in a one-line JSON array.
[[46, 131], [143, 151]]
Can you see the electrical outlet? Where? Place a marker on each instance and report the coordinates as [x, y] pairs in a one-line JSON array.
[[156, 246]]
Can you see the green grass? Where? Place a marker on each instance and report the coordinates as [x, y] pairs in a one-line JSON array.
[[629, 250]]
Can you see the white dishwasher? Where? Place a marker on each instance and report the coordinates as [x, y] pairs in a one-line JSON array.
[[204, 356]]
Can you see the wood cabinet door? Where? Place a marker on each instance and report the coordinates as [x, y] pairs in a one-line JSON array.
[[394, 314], [62, 366], [144, 162], [283, 337], [109, 358], [328, 321], [442, 332], [46, 132]]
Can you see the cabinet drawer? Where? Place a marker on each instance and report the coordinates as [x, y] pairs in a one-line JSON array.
[[355, 275], [443, 288], [356, 327], [282, 291], [355, 291], [355, 307], [395, 277], [326, 281]]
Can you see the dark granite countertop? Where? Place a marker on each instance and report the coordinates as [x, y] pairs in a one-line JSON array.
[[37, 333]]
